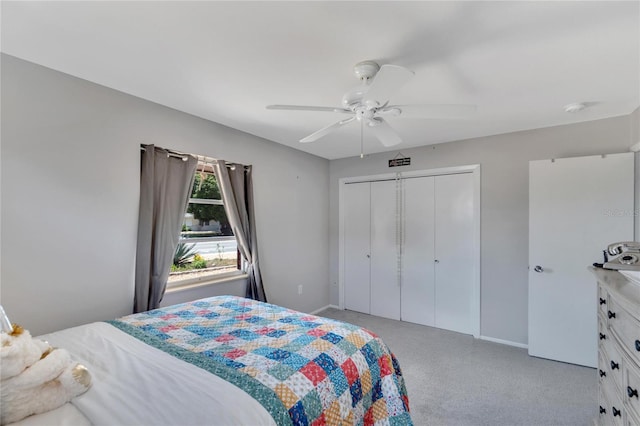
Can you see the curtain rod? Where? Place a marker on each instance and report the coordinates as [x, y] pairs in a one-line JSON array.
[[201, 158], [180, 155]]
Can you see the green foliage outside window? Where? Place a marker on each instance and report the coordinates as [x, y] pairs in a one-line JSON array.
[[208, 189], [184, 254]]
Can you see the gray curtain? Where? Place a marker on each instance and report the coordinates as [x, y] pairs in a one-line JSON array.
[[165, 186], [236, 188]]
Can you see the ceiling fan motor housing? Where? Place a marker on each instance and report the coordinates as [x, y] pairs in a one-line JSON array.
[[364, 71]]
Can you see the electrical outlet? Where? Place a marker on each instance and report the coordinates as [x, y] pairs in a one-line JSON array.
[[300, 289]]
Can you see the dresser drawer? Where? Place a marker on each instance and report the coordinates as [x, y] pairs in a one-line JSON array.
[[626, 327], [609, 413], [603, 297], [603, 331], [630, 419], [631, 389], [617, 413], [604, 409], [610, 361]]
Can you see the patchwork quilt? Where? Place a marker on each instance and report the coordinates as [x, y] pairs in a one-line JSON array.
[[304, 369]]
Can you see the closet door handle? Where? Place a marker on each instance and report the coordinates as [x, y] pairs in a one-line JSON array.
[[632, 392], [602, 374], [437, 261], [611, 314], [603, 301], [603, 410], [638, 345], [616, 412], [368, 256], [615, 365], [603, 336]]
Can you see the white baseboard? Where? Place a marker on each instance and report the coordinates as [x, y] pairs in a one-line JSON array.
[[323, 308], [504, 342]]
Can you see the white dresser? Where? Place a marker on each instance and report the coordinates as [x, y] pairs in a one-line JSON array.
[[618, 349]]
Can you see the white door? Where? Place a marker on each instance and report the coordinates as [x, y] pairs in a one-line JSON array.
[[418, 288], [576, 207], [385, 286], [356, 246], [454, 261]]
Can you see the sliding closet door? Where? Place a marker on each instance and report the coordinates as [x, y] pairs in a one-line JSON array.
[[454, 266], [418, 286], [356, 246], [385, 289]]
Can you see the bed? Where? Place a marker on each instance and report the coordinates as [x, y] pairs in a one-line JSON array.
[[227, 360]]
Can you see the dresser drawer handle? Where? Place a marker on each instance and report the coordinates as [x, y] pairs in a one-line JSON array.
[[615, 365], [632, 392], [603, 301], [616, 412], [603, 410], [602, 374], [603, 336], [611, 314], [638, 345]]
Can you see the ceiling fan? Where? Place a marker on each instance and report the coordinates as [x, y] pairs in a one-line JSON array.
[[368, 103]]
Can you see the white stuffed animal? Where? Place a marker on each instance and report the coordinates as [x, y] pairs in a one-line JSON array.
[[35, 377]]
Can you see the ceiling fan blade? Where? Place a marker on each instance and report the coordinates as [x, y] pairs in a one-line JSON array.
[[385, 133], [440, 111], [309, 108], [386, 82], [326, 130]]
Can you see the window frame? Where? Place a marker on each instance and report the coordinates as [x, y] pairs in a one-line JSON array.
[[213, 277]]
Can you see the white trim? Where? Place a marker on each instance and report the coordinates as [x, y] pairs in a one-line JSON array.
[[504, 342], [207, 280], [323, 308], [475, 304], [415, 173], [472, 168], [205, 201]]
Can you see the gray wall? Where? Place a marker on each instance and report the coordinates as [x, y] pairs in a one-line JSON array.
[[69, 200], [70, 186], [504, 163]]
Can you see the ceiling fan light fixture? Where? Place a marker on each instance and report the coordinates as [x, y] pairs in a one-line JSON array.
[[354, 96]]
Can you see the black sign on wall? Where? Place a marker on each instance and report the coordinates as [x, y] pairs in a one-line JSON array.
[[397, 162]]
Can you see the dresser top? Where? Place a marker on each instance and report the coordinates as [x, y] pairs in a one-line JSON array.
[[624, 290]]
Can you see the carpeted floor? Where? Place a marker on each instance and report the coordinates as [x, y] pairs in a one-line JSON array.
[[454, 379]]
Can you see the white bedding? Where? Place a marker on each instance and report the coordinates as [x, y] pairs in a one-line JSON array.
[[136, 384]]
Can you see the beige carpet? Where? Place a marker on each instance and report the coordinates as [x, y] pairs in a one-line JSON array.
[[454, 379]]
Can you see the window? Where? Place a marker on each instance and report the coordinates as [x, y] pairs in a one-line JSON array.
[[207, 248]]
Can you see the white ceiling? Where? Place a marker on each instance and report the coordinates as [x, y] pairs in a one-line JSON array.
[[519, 62]]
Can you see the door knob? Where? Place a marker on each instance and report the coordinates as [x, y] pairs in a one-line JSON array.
[[538, 269]]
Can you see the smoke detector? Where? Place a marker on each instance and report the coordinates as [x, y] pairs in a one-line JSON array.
[[575, 107]]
